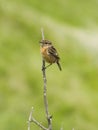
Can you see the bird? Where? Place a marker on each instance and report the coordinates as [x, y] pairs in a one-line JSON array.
[[49, 53]]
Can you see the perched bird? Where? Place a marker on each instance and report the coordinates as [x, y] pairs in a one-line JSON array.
[[49, 53]]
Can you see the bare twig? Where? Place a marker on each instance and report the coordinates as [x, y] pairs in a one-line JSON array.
[[32, 119], [49, 118], [38, 124], [42, 31]]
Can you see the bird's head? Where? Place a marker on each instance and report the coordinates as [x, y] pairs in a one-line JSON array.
[[45, 42]]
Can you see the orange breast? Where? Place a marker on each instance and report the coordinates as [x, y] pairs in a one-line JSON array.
[[47, 57]]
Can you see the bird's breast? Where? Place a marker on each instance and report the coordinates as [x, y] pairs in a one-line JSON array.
[[47, 57]]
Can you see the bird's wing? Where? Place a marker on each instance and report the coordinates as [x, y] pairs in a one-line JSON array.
[[53, 51]]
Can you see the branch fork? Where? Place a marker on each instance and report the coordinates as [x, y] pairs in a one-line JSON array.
[[48, 116]]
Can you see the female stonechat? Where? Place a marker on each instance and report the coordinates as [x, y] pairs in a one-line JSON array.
[[49, 53]]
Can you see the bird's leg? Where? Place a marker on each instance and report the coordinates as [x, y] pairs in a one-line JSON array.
[[48, 65], [45, 67]]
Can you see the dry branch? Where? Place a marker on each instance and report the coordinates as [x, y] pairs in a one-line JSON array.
[[49, 118]]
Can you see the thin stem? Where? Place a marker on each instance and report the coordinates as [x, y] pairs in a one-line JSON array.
[[38, 124], [49, 118], [42, 31], [45, 91], [32, 119]]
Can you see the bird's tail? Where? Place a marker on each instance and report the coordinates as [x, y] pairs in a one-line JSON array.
[[59, 65]]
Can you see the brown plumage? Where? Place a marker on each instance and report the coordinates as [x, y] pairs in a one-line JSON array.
[[49, 53]]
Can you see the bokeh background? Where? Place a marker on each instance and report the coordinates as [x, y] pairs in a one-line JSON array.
[[72, 26]]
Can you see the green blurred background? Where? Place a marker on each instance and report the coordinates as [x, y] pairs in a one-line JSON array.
[[73, 93]]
